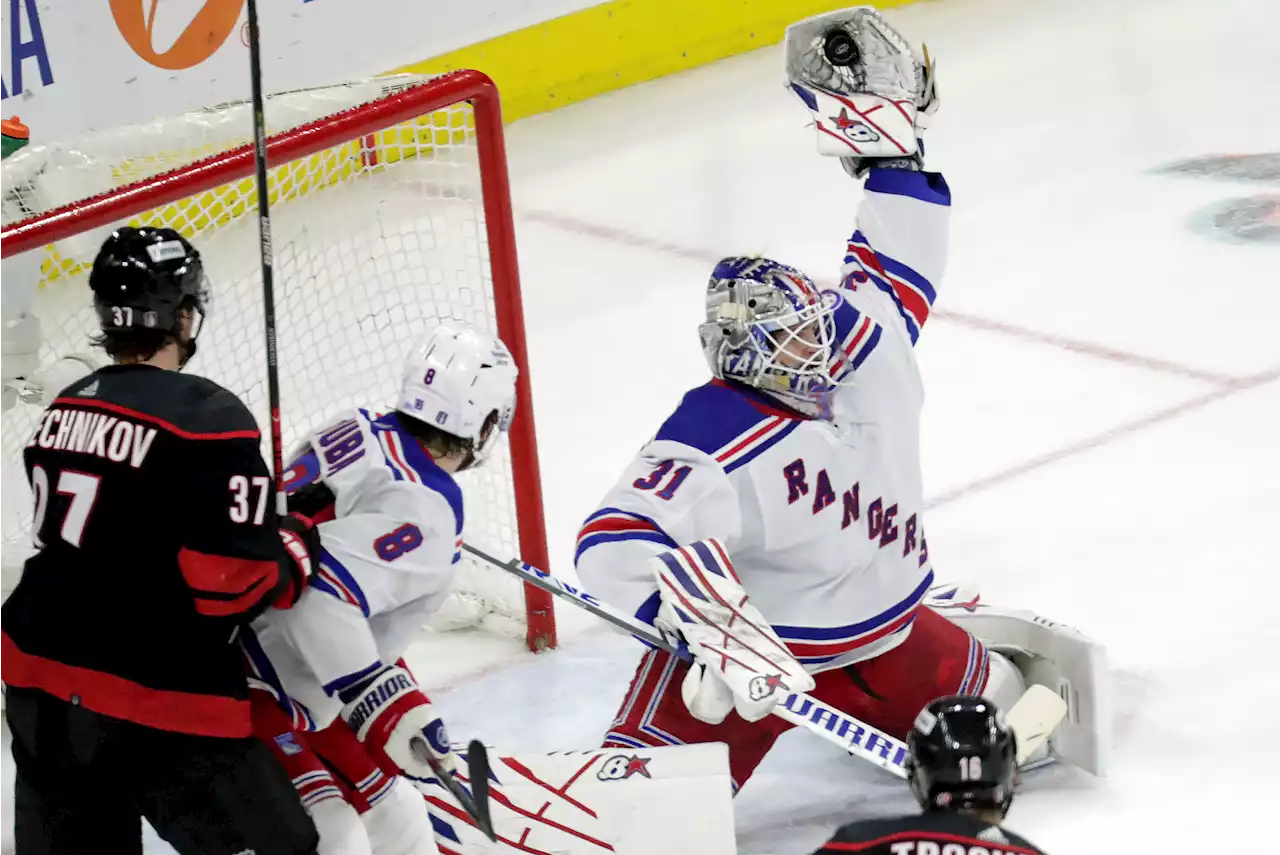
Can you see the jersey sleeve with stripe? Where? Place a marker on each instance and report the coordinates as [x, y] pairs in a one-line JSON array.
[[675, 492], [391, 537], [897, 254]]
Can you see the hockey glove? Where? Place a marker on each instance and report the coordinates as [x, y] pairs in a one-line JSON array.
[[395, 722], [871, 93], [739, 661], [302, 551]]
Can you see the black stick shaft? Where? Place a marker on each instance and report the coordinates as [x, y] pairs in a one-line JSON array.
[[264, 243], [477, 806]]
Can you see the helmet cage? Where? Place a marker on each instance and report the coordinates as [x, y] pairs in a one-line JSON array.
[[768, 326]]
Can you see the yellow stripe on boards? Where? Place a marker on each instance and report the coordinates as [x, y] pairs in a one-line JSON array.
[[621, 43]]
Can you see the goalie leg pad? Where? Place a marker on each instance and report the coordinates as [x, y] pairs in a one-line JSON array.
[[625, 802], [1058, 657]]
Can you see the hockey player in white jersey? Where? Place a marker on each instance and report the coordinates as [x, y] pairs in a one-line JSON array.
[[774, 523], [334, 701]]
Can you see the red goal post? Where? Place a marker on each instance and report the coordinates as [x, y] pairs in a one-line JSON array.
[[363, 123]]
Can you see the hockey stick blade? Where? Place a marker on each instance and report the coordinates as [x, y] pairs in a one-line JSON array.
[[854, 736], [478, 771], [476, 803]]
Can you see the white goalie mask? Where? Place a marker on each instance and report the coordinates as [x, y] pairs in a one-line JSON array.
[[769, 326], [462, 382]]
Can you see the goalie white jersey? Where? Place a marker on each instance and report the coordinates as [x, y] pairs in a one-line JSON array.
[[390, 521], [822, 519]]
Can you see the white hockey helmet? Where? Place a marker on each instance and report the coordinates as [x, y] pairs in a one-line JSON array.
[[462, 382]]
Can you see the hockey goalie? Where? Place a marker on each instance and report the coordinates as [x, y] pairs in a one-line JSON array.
[[774, 524]]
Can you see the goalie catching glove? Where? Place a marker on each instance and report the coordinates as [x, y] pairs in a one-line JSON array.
[[870, 92], [394, 721], [739, 662]]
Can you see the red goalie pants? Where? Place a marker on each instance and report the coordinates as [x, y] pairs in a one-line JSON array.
[[938, 658], [324, 764]]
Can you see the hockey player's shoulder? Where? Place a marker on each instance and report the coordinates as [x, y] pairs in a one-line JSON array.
[[210, 411], [410, 464], [901, 834], [730, 423], [185, 405]]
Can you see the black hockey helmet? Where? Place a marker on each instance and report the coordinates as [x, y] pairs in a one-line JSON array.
[[143, 277], [962, 756]]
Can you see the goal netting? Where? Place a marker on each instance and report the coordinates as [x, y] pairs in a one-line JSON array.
[[390, 212]]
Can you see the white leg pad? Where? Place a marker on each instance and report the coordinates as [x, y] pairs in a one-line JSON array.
[[628, 801], [1058, 657]]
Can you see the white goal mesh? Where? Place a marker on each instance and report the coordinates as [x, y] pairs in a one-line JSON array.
[[379, 230]]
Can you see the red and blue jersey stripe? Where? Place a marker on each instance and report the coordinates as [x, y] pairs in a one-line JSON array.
[[408, 461], [337, 581], [977, 670], [732, 423], [911, 294], [818, 645], [614, 525], [856, 337], [263, 675], [898, 225]]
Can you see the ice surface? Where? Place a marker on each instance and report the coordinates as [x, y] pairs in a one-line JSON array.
[[1100, 432]]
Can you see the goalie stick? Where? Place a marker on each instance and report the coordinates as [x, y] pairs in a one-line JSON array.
[[1032, 718]]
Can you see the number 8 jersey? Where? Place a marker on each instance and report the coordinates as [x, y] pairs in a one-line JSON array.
[[390, 523]]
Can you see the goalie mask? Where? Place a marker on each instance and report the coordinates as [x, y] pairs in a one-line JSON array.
[[769, 326], [461, 382]]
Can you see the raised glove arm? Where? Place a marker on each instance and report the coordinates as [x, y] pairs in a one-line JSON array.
[[871, 92]]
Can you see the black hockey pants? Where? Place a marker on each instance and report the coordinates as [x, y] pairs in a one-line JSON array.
[[84, 779]]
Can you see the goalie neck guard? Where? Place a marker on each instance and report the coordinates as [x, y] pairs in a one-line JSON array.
[[962, 756]]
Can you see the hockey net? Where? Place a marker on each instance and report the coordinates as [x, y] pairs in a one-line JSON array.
[[390, 211]]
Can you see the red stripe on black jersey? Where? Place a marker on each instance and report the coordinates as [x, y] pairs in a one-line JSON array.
[[184, 712], [95, 403], [931, 836], [226, 586]]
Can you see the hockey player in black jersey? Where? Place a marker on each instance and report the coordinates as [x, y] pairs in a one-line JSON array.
[[962, 769], [157, 541]]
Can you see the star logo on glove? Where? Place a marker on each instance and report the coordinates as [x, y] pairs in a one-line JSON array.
[[637, 766], [853, 129]]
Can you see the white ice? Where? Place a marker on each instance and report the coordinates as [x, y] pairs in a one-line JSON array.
[[1100, 432]]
